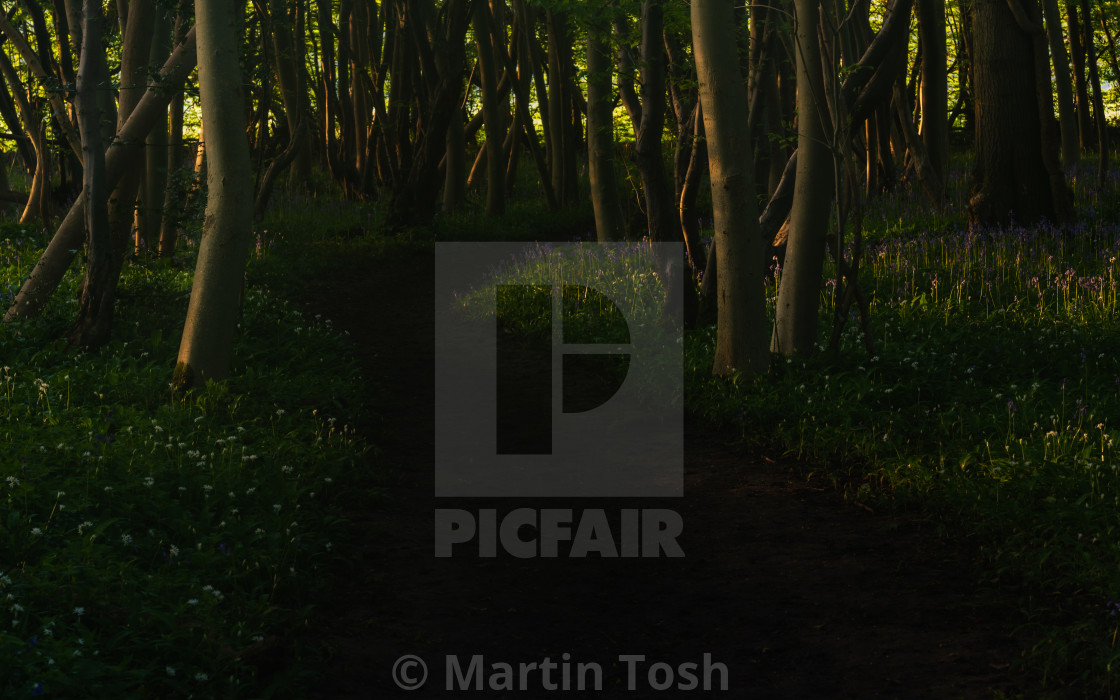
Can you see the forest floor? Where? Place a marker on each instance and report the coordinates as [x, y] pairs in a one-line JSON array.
[[799, 593]]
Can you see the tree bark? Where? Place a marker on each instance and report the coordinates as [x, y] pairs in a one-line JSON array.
[[795, 323], [1016, 176], [1080, 84], [211, 322], [1098, 98], [153, 190], [493, 114], [934, 128], [1067, 113], [94, 323], [600, 131], [121, 154], [741, 330]]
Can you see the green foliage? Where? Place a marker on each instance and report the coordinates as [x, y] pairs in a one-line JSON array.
[[990, 403], [153, 546]]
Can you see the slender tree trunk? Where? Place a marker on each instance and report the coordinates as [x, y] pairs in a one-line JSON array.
[[94, 323], [455, 175], [290, 58], [1067, 113], [121, 154], [169, 225], [1098, 98], [741, 330], [1080, 84], [37, 198], [135, 51], [492, 112], [795, 323], [154, 188], [600, 131], [563, 137], [697, 168], [207, 344]]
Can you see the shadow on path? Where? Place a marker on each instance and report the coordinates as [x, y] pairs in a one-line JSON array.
[[797, 593]]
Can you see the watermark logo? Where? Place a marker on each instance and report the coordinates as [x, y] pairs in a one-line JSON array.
[[558, 371]]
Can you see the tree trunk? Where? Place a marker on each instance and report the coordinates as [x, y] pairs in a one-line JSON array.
[[741, 331], [38, 197], [1080, 84], [455, 175], [154, 188], [1067, 113], [493, 114], [207, 344], [135, 51], [934, 127], [563, 137], [94, 323], [1098, 99], [169, 225], [795, 323], [121, 154], [290, 58], [600, 131], [1014, 176]]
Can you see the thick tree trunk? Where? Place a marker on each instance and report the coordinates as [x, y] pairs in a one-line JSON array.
[[741, 331], [600, 132], [1014, 176], [795, 323], [207, 343], [934, 127]]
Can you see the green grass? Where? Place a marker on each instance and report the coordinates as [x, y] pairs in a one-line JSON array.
[[992, 402], [158, 547]]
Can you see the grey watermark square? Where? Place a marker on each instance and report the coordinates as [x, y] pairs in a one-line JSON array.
[[558, 370]]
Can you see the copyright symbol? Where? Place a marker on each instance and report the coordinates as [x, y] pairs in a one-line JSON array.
[[410, 672]]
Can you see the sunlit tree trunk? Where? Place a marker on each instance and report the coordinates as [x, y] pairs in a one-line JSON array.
[[122, 153], [741, 335], [93, 325], [207, 343], [1067, 113], [795, 323]]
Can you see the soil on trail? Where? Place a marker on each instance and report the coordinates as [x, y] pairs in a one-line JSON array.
[[797, 593]]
